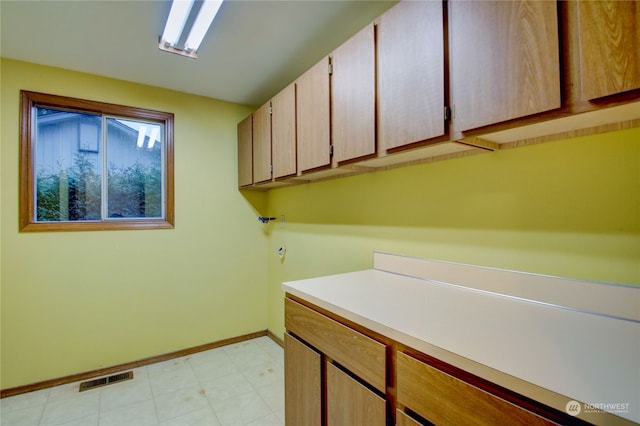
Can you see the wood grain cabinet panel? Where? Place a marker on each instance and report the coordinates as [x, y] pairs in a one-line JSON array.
[[444, 399], [245, 152], [353, 97], [262, 144], [504, 60], [358, 353], [350, 403], [283, 132], [403, 419], [302, 383], [410, 39], [312, 118], [609, 33]]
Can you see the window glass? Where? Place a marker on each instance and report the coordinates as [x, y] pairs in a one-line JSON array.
[[68, 166], [134, 159]]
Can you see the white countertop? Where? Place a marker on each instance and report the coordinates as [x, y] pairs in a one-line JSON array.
[[590, 358]]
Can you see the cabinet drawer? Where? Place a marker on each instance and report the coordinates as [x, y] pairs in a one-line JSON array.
[[444, 399], [358, 353]]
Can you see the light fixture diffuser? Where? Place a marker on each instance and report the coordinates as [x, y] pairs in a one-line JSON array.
[[179, 17], [205, 17], [175, 22]]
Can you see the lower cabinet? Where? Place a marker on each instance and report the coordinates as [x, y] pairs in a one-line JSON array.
[[302, 383], [309, 375], [402, 419], [444, 399], [336, 375], [350, 402]]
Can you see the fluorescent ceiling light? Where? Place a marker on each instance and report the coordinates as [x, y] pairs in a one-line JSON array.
[[178, 17], [175, 22], [205, 17]]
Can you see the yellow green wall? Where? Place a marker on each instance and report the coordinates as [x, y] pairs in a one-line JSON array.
[[73, 302], [78, 301], [567, 208]]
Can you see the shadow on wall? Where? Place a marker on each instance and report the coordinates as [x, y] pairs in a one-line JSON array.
[[258, 200], [586, 184]]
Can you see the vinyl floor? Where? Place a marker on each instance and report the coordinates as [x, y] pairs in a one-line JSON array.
[[238, 384]]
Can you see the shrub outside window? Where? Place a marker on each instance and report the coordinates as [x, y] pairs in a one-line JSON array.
[[89, 165]]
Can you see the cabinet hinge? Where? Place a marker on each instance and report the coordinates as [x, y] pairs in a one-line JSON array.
[[447, 113], [330, 150], [330, 69], [271, 168], [270, 110]]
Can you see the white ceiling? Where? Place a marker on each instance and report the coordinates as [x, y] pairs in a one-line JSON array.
[[253, 50]]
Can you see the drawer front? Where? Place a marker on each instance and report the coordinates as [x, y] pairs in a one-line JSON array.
[[350, 403], [444, 399], [363, 356]]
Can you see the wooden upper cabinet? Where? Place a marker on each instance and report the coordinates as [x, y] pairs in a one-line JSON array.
[[353, 97], [283, 132], [504, 60], [245, 152], [312, 118], [609, 33], [262, 144], [410, 73]]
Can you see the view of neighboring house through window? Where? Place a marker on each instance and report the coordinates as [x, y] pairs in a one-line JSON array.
[[104, 169], [134, 177]]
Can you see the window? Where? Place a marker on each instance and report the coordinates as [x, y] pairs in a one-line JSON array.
[[89, 165]]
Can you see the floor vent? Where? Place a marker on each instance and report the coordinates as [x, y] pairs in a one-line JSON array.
[[104, 381]]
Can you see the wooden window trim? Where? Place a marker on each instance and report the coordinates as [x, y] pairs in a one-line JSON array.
[[27, 223]]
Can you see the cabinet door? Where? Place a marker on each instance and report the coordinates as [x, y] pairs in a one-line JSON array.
[[404, 420], [283, 132], [262, 144], [245, 152], [353, 97], [610, 47], [350, 403], [302, 383], [411, 73], [312, 117], [504, 60]]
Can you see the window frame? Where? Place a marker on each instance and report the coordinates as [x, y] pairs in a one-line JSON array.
[[27, 218]]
